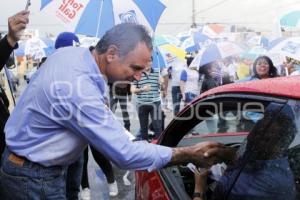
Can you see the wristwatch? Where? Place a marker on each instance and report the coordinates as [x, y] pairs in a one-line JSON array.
[[200, 195]]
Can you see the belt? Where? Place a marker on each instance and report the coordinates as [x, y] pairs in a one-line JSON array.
[[18, 160]]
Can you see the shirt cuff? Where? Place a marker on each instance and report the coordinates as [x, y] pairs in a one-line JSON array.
[[163, 157], [8, 45]]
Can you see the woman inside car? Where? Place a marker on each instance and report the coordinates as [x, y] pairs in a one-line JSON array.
[[262, 170]]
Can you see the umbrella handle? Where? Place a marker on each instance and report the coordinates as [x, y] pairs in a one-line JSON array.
[[99, 18]]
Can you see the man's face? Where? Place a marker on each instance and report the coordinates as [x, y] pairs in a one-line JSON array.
[[130, 66]]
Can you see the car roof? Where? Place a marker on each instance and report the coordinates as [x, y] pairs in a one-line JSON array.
[[288, 86]]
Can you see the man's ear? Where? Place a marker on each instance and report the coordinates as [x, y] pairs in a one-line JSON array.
[[112, 53]]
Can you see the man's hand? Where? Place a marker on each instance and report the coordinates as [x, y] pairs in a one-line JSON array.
[[147, 88], [201, 154], [16, 24], [225, 154]]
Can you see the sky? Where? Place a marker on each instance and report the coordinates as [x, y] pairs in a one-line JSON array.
[[177, 17]]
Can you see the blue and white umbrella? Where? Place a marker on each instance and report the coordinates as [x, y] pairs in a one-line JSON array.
[[35, 47], [195, 42], [165, 56], [214, 52], [95, 17], [165, 39], [183, 35], [158, 60], [286, 46], [291, 19], [254, 53]]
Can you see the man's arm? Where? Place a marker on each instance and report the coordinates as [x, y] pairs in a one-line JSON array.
[[165, 82], [16, 23], [88, 116], [203, 154]]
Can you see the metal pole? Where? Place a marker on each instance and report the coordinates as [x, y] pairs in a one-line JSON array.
[[194, 15]]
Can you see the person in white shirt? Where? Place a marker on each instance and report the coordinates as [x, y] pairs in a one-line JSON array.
[[189, 79], [176, 70]]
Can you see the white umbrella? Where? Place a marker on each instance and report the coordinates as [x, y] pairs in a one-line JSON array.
[[286, 46], [215, 52]]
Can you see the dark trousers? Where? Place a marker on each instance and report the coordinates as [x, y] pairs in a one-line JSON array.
[[102, 162], [176, 99], [4, 114], [2, 142], [154, 110], [74, 175], [123, 105], [85, 179]]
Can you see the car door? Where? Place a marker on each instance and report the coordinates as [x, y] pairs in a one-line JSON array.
[[227, 118]]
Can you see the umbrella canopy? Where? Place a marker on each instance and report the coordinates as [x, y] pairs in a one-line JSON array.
[[95, 17], [165, 39], [173, 50], [286, 46], [216, 52], [290, 19], [166, 55], [36, 48], [158, 60], [254, 53], [88, 41], [195, 41], [258, 40], [213, 30]]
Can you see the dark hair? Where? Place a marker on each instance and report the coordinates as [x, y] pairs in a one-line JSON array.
[[42, 61], [280, 134], [189, 60], [204, 69], [126, 37], [272, 69]]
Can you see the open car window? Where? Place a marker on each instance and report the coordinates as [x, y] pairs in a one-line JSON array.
[[272, 142], [268, 167], [224, 121]]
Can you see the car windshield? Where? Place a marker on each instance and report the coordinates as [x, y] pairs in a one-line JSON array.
[[224, 127]]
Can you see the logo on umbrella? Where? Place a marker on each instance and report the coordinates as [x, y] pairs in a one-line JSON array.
[[129, 17], [291, 47], [68, 10]]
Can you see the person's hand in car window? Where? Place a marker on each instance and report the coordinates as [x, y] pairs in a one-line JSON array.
[[200, 184]]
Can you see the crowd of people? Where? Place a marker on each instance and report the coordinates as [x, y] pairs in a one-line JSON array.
[[64, 108], [69, 104]]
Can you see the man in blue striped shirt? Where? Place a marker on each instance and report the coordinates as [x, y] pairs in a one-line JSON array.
[[63, 109], [148, 101]]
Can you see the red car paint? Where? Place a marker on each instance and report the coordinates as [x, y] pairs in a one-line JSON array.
[[149, 186]]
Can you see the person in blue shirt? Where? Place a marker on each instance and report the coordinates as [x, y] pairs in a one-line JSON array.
[[63, 109]]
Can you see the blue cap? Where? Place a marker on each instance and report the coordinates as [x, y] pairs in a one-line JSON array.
[[65, 39]]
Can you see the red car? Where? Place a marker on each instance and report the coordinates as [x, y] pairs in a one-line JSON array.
[[260, 119]]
